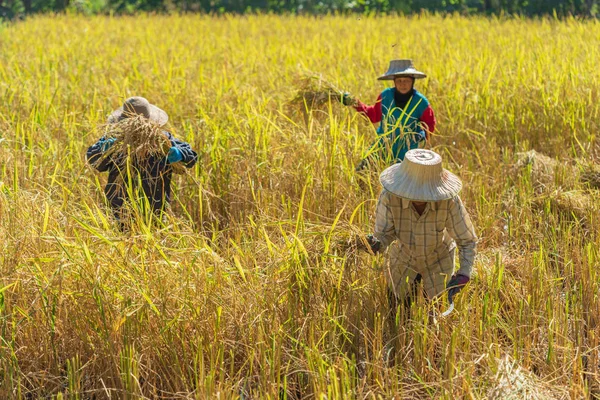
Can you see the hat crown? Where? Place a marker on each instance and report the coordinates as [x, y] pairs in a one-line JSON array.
[[424, 165], [137, 105], [424, 157], [403, 67], [400, 65]]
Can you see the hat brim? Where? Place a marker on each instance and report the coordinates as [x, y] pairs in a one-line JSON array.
[[394, 181], [391, 77], [156, 115]]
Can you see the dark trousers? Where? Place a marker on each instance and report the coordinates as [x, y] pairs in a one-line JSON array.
[[394, 302]]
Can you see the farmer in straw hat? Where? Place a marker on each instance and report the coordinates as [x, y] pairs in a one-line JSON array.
[[421, 216], [156, 172], [405, 116]]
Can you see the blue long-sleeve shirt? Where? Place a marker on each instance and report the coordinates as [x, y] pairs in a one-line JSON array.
[[155, 173]]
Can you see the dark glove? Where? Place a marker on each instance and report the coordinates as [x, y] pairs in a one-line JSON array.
[[106, 144], [363, 164], [456, 283], [174, 155], [372, 242], [347, 99]]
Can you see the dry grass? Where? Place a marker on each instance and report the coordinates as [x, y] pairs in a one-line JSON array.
[[250, 286]]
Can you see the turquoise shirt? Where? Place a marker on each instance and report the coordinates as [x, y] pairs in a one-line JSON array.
[[399, 130]]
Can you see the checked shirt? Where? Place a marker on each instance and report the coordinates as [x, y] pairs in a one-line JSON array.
[[424, 244]]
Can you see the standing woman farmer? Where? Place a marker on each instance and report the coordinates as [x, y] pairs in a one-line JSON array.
[[423, 220], [405, 117]]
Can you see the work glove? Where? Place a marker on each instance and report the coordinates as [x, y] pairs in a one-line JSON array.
[[347, 99], [372, 242], [455, 284], [106, 144], [363, 164], [174, 155]]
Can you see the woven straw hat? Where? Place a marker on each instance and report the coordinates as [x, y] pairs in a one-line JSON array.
[[140, 106], [401, 68], [420, 177]]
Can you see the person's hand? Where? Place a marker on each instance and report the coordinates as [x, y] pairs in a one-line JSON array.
[[347, 99], [455, 284], [106, 144], [372, 243], [174, 155]]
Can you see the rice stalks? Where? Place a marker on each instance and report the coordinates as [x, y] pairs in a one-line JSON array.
[[573, 203], [514, 383], [590, 174], [139, 139], [316, 92], [545, 171]]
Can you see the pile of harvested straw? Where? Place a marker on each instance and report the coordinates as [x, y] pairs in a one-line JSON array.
[[515, 383], [545, 171], [574, 203], [590, 174]]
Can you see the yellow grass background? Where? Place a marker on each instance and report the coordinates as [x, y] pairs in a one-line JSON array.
[[248, 291]]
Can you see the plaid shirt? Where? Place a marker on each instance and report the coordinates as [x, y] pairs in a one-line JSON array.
[[425, 243]]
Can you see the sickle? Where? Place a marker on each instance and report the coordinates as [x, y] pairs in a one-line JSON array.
[[448, 311]]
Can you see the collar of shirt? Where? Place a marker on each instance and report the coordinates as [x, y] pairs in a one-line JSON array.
[[406, 204]]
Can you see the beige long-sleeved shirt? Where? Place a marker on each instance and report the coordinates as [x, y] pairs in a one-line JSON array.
[[426, 239]]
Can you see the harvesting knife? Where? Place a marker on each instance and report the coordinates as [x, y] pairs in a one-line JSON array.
[[449, 310]]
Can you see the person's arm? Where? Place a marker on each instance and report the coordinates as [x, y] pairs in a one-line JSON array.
[[461, 229], [372, 112], [181, 151], [428, 121], [385, 231], [96, 157]]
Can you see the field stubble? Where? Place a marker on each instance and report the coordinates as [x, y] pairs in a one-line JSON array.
[[246, 290]]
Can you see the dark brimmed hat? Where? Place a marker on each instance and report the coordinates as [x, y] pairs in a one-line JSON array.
[[401, 68], [139, 106]]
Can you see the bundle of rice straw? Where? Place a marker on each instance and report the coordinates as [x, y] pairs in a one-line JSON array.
[[139, 138], [545, 170], [575, 203], [590, 174], [515, 383], [315, 92]]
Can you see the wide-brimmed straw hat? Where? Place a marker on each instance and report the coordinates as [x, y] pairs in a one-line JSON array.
[[420, 177], [401, 68], [139, 106]]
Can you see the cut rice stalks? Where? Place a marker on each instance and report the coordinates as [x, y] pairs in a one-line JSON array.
[[513, 382], [138, 139], [574, 203], [547, 173], [316, 92], [590, 174]]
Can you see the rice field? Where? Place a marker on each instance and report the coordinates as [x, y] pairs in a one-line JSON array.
[[249, 289]]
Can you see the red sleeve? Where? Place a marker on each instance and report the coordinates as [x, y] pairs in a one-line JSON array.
[[372, 112], [428, 119]]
